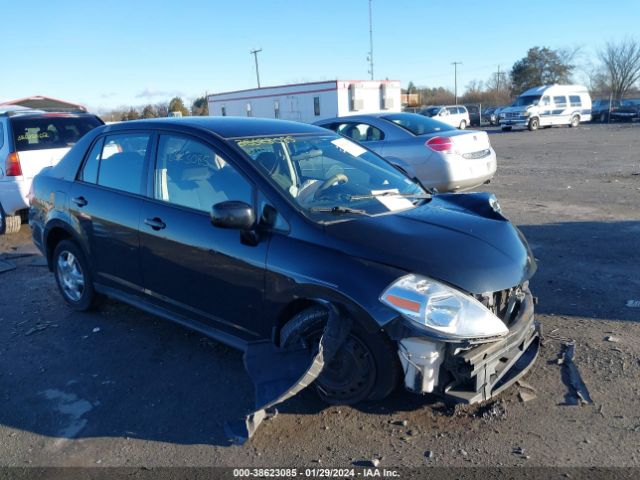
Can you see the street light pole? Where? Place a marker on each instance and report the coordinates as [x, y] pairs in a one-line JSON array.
[[255, 56], [455, 80]]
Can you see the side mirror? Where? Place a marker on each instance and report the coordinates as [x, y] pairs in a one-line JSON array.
[[233, 214]]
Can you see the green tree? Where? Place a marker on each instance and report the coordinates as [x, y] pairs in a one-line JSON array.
[[200, 106], [177, 105], [411, 88], [132, 114], [149, 112], [541, 66]]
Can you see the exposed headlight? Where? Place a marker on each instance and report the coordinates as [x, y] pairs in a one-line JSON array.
[[444, 310], [526, 113]]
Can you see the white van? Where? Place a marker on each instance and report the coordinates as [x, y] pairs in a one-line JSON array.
[[548, 105]]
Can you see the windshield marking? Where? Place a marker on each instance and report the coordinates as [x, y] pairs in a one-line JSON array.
[[349, 146]]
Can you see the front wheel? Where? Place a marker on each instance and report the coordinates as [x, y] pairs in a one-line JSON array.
[[73, 276], [575, 121], [366, 367], [534, 124]]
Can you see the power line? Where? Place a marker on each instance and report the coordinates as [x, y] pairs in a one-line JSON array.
[[255, 56]]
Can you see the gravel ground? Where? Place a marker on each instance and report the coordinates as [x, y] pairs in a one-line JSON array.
[[119, 387]]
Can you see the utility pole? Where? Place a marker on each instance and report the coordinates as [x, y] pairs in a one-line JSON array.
[[455, 80], [255, 56], [498, 80], [370, 57]]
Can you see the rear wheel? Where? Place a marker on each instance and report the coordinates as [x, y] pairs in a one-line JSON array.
[[366, 366], [463, 124], [575, 121], [534, 124], [10, 223], [73, 276]]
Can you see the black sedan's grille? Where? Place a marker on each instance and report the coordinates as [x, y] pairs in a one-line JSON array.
[[478, 154], [505, 304]]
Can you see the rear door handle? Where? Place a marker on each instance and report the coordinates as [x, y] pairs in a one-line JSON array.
[[80, 201], [155, 223]]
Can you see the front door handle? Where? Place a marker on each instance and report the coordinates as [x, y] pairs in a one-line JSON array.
[[155, 223], [80, 201]]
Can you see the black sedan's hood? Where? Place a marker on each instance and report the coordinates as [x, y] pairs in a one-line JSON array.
[[456, 238]]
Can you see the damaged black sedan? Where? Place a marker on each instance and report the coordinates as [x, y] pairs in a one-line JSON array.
[[319, 259]]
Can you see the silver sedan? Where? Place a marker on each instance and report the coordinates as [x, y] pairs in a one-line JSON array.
[[439, 155]]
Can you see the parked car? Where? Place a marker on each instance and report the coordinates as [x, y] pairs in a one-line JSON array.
[[439, 155], [29, 141], [488, 116], [628, 111], [258, 232], [454, 115], [475, 119], [600, 109]]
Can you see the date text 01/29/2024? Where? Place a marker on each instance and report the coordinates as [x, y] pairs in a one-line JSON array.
[[314, 472]]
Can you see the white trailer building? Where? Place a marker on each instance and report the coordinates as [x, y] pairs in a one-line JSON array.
[[309, 102]]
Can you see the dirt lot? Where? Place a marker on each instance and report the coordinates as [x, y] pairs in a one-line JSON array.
[[123, 388]]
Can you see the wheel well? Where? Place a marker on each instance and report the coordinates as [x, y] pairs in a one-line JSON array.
[[54, 237]]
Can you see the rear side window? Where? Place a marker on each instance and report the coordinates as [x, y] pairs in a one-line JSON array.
[[575, 100], [560, 101], [417, 124], [50, 131], [122, 161], [90, 170]]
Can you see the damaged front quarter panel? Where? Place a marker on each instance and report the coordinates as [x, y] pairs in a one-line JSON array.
[[280, 373]]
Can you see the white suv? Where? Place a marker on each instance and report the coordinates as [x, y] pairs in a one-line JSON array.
[[454, 115], [29, 141]]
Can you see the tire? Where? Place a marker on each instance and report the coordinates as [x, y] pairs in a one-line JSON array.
[[10, 224], [463, 125], [73, 276], [366, 368], [575, 121], [506, 129], [534, 124]]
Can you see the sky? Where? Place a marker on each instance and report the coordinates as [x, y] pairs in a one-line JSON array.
[[134, 52]]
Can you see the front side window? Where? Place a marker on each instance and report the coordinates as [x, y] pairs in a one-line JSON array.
[[560, 101], [526, 100], [191, 174], [122, 162], [324, 173]]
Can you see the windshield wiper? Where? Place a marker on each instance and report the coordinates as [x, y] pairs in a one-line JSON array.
[[338, 209], [389, 194]]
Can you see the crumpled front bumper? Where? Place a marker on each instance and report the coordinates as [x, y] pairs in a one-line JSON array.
[[483, 371], [467, 372]]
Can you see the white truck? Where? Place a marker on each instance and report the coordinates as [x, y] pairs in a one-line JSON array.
[[310, 102], [548, 106]]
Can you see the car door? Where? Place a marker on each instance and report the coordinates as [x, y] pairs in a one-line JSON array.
[[106, 200], [207, 274]]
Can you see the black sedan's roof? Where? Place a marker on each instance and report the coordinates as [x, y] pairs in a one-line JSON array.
[[230, 127]]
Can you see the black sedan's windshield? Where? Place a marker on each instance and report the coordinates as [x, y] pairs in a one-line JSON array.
[[330, 174]]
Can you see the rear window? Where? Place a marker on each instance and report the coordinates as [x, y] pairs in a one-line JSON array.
[[39, 133], [418, 124]]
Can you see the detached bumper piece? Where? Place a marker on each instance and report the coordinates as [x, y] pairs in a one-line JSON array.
[[480, 372], [280, 373]]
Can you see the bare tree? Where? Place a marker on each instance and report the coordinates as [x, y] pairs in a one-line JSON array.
[[622, 62]]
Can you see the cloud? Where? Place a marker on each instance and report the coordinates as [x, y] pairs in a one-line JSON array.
[[153, 93], [108, 95]]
